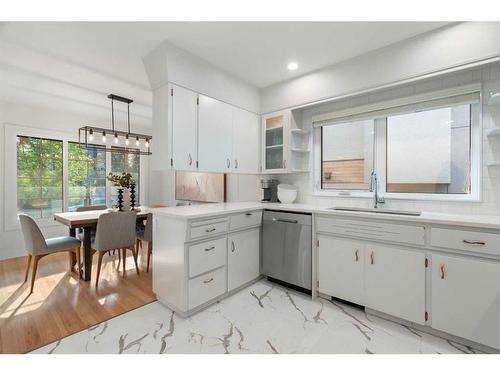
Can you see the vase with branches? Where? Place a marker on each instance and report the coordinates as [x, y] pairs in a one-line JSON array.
[[124, 182]]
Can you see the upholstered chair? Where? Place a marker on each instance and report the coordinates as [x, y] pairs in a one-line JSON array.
[[115, 231], [37, 246], [146, 235]]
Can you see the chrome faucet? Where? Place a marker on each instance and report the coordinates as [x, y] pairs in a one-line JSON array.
[[374, 189]]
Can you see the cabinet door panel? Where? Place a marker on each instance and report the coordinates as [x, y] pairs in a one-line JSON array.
[[215, 121], [395, 282], [466, 298], [243, 258], [245, 142], [184, 128], [340, 270]]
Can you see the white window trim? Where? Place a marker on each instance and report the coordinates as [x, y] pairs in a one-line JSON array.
[[380, 160], [11, 131]]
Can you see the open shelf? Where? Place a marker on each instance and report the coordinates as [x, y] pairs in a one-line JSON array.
[[494, 98], [299, 131], [493, 132]]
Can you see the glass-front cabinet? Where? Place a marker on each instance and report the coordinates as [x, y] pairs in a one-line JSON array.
[[275, 138]]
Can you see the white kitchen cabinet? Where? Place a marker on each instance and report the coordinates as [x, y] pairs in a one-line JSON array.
[[341, 268], [275, 128], [395, 282], [245, 142], [466, 298], [243, 258], [285, 144], [215, 133], [184, 128]]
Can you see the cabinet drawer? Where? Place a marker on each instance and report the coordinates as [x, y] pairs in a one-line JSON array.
[[410, 234], [207, 256], [246, 219], [207, 228], [206, 287], [481, 242]]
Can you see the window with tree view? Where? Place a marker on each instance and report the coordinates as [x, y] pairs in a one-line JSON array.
[[86, 176], [39, 176], [125, 163]]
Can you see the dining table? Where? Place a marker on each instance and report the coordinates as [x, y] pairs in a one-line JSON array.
[[87, 221]]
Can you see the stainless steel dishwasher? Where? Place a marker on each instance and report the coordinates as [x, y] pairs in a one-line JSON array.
[[286, 247]]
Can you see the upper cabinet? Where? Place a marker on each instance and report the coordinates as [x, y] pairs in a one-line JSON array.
[[209, 135], [215, 134], [184, 112], [246, 141], [285, 145]]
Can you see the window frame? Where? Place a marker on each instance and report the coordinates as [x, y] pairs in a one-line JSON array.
[[380, 165], [11, 131]]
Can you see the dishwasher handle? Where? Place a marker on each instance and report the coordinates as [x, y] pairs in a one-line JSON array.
[[286, 220]]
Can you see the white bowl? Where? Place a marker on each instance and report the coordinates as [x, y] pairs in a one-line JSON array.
[[287, 194]]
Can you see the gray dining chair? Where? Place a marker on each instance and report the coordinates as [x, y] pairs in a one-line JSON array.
[[146, 235], [37, 246], [115, 231], [79, 233]]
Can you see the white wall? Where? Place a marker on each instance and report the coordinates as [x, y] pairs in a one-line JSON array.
[[490, 191], [11, 244], [448, 47]]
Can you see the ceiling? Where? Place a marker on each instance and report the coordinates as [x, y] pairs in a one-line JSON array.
[[256, 52]]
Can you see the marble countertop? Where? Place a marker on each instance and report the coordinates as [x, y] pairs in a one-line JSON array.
[[214, 209]]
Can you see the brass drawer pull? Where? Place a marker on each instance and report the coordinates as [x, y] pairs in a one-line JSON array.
[[441, 268], [356, 255], [248, 214], [470, 242], [210, 230], [210, 248], [371, 258], [208, 281], [233, 248]]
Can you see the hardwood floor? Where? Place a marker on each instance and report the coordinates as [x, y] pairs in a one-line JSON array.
[[61, 303]]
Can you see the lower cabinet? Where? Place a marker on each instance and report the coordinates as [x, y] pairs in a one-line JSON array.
[[243, 259], [341, 268], [466, 298], [395, 282], [386, 279]]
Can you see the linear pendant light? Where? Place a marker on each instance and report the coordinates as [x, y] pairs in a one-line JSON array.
[[120, 141]]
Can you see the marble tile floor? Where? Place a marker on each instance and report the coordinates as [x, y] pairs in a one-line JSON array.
[[263, 318]]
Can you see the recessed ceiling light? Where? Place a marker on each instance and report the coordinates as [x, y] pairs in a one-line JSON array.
[[292, 65]]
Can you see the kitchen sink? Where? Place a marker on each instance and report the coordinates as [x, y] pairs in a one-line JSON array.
[[377, 211]]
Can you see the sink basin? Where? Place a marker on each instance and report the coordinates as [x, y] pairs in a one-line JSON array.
[[377, 211]]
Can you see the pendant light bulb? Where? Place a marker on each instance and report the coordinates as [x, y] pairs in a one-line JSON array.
[[127, 142], [137, 141], [116, 138], [91, 135], [103, 137], [147, 143]]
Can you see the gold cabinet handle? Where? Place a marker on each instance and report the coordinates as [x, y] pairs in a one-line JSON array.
[[236, 163], [228, 163], [210, 230], [472, 242], [210, 248], [441, 268], [233, 248], [372, 258], [356, 255], [190, 159], [208, 281]]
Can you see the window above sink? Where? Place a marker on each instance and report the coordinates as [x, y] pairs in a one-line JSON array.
[[426, 146]]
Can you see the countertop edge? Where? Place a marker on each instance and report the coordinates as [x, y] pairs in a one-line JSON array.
[[481, 221]]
